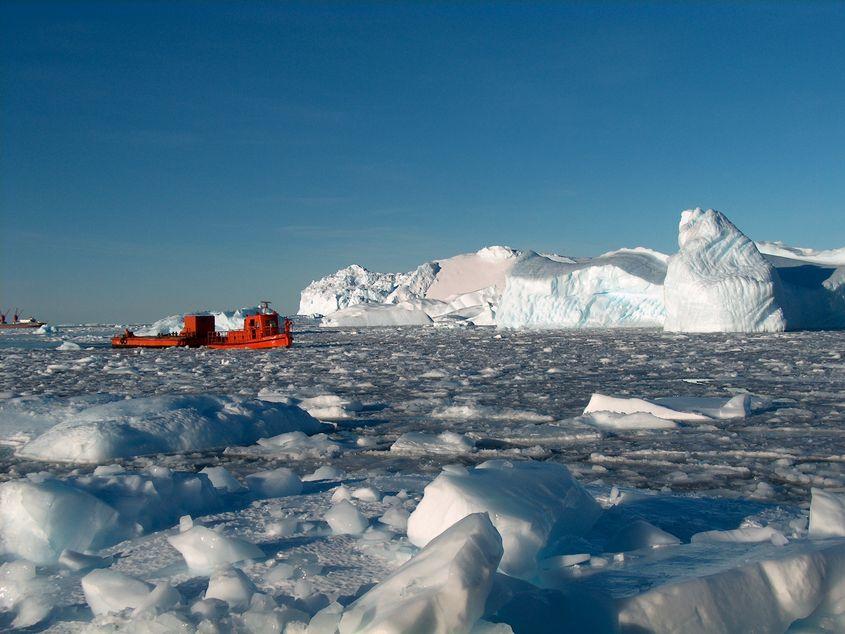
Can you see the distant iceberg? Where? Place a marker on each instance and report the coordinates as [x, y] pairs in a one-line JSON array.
[[718, 281]]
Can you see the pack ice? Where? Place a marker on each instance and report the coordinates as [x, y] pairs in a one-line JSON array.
[[163, 424]]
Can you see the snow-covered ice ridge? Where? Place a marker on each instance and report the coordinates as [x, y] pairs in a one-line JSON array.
[[718, 281]]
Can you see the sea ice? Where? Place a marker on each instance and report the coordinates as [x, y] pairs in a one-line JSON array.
[[162, 424], [441, 590], [40, 520], [205, 550], [719, 281], [276, 483], [532, 505]]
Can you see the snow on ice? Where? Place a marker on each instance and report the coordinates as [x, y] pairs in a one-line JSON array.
[[719, 281], [531, 504], [132, 427], [442, 589]]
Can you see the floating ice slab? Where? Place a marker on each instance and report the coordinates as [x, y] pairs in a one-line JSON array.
[[420, 443], [614, 421], [276, 483], [75, 561], [532, 505], [205, 550], [442, 590], [680, 408], [25, 593], [719, 281], [232, 586], [164, 424], [344, 518], [40, 520], [222, 480], [827, 514], [110, 591], [768, 589]]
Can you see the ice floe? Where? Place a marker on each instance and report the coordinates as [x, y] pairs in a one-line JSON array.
[[161, 424], [532, 504], [442, 589]]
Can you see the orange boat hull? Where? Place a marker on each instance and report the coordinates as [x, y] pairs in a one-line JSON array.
[[278, 341], [151, 342]]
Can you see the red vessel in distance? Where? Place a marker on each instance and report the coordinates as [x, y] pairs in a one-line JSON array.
[[260, 331]]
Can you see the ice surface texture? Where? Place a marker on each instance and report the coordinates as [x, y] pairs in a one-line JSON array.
[[440, 281], [39, 521], [532, 504], [621, 288], [442, 590], [719, 281], [164, 424]]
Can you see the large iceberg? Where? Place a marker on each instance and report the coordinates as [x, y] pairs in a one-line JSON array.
[[164, 424], [437, 288], [719, 281], [402, 314], [620, 288], [532, 505], [356, 285]]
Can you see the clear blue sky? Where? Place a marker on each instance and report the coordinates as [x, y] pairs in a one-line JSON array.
[[164, 157]]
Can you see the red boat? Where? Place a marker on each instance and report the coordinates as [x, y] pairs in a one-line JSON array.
[[259, 332], [17, 322]]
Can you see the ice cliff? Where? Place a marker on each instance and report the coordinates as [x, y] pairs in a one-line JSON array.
[[718, 281]]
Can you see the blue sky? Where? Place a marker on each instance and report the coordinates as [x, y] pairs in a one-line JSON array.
[[163, 157]]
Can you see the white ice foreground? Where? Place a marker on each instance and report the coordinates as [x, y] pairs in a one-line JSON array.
[[164, 424], [531, 504], [442, 589]]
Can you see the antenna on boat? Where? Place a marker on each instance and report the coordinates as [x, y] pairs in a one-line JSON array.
[[265, 307]]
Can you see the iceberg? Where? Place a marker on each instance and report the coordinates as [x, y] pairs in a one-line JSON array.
[[464, 286], [620, 288], [719, 281], [363, 315]]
